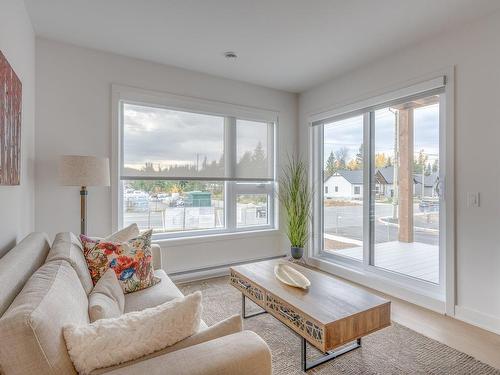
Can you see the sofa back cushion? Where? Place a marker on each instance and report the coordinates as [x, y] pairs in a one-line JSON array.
[[68, 247], [106, 299], [32, 328], [17, 266]]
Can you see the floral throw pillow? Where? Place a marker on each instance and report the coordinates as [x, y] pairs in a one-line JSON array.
[[131, 261]]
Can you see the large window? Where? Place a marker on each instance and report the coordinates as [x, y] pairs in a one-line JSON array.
[[382, 195], [195, 169]]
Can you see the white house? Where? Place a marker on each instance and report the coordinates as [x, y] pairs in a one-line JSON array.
[[344, 184]]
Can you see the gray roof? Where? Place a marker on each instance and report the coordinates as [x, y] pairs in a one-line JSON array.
[[387, 173], [356, 177], [429, 181]]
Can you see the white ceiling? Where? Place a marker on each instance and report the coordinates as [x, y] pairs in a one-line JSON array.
[[290, 45]]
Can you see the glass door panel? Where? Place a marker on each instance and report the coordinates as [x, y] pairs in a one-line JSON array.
[[405, 188], [343, 188]]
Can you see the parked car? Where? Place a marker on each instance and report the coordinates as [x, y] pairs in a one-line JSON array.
[[136, 200]]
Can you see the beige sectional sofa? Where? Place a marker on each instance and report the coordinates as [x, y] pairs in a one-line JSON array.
[[45, 287]]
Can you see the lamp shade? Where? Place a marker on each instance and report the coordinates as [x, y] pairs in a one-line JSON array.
[[76, 170]]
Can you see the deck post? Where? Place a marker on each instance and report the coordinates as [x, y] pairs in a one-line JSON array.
[[405, 175]]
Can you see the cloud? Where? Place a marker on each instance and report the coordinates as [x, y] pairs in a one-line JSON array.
[[165, 136], [349, 133], [168, 137]]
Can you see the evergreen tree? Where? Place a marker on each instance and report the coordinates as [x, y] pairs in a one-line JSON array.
[[341, 156], [428, 169], [420, 162], [435, 166], [330, 167], [259, 155], [359, 156]]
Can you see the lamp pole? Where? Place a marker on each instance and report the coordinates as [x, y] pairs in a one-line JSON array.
[[83, 209]]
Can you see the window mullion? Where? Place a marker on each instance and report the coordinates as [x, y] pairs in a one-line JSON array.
[[317, 177], [230, 159], [368, 202]]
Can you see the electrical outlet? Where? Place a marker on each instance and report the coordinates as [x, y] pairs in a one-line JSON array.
[[472, 200]]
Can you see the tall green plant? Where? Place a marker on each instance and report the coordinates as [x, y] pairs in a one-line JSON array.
[[295, 197]]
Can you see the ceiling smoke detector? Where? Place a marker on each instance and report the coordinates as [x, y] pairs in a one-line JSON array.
[[230, 55]]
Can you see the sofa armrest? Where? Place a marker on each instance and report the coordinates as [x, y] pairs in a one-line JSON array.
[[156, 252], [242, 353]]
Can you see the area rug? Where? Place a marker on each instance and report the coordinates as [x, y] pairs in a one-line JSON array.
[[393, 350]]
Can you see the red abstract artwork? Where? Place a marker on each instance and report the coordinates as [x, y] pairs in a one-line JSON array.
[[10, 124]]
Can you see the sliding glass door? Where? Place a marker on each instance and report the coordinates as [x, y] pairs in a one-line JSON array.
[[379, 205], [343, 188], [406, 188]]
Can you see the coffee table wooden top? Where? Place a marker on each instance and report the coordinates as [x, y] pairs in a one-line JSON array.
[[333, 306]]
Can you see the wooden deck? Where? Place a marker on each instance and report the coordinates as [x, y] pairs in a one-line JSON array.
[[414, 259]]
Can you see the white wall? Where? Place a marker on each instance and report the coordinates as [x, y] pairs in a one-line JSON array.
[[74, 116], [475, 50], [17, 42]]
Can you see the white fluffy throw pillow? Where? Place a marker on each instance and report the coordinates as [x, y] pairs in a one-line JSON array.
[[108, 342]]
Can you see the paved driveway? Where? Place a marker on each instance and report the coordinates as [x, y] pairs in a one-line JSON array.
[[347, 221]]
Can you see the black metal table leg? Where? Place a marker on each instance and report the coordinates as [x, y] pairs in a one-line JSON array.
[[307, 365], [243, 309]]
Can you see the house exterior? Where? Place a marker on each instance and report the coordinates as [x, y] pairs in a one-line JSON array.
[[384, 182], [346, 184], [430, 184]]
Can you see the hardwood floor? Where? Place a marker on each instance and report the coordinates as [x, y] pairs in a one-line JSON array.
[[478, 343]]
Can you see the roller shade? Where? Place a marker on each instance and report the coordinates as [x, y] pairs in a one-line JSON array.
[[172, 144]]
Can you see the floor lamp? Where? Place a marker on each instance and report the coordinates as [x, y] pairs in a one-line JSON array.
[[84, 171]]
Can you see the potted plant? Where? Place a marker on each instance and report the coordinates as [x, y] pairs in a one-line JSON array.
[[295, 197]]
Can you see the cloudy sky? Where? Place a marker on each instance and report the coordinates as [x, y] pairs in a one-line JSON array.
[[349, 133], [168, 137]]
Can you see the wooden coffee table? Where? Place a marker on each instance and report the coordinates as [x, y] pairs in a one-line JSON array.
[[330, 314]]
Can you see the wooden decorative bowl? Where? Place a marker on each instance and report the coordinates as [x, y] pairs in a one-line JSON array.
[[290, 276]]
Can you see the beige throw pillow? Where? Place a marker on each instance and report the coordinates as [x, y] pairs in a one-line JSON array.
[[124, 234], [108, 342], [106, 299]]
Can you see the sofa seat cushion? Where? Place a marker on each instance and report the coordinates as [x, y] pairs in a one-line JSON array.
[[32, 328], [67, 246], [156, 295], [242, 353]]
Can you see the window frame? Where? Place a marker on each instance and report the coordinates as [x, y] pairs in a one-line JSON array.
[[232, 186], [438, 297]]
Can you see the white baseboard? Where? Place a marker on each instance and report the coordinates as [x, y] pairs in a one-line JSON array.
[[213, 271], [485, 321], [200, 275]]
